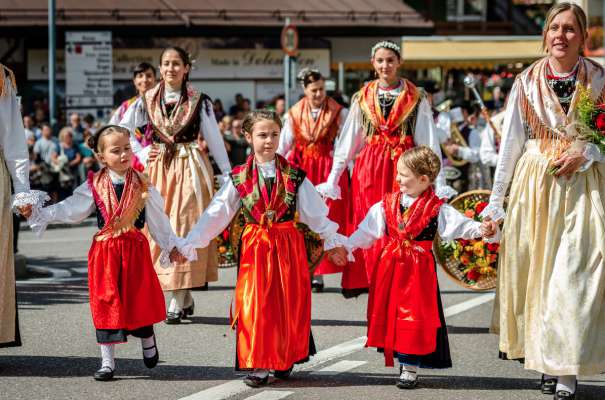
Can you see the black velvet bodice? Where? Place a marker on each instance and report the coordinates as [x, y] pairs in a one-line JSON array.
[[429, 232], [119, 189]]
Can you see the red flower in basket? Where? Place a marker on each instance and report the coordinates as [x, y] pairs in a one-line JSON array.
[[226, 234], [480, 206], [464, 242], [493, 247], [473, 275], [600, 122]]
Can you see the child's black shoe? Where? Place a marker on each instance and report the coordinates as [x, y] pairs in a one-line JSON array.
[[104, 374]]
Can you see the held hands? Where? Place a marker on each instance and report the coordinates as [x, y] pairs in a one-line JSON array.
[[338, 256], [488, 228], [26, 211], [176, 256]]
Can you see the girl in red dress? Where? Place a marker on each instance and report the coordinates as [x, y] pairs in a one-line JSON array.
[[405, 316], [388, 116], [125, 294], [272, 304], [307, 140]]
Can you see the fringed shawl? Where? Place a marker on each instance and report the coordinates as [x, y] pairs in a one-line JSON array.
[[543, 116]]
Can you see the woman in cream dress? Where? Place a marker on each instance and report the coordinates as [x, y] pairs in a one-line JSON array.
[[552, 269]]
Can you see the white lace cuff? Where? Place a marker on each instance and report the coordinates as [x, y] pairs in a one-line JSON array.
[[182, 246], [493, 210], [36, 198], [334, 241], [329, 190], [445, 192], [39, 220]]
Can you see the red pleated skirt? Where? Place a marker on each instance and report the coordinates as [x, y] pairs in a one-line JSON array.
[[316, 161], [373, 177], [123, 287]]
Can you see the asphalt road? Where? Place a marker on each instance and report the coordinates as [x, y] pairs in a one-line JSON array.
[[60, 354]]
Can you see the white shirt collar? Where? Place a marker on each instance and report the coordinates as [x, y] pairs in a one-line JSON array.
[[115, 178], [171, 95], [267, 169], [407, 200]]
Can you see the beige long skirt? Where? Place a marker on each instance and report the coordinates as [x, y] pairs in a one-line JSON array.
[[552, 273], [7, 268], [187, 188]]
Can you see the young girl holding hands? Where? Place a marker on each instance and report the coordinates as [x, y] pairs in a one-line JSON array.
[[125, 294], [273, 292], [405, 316]]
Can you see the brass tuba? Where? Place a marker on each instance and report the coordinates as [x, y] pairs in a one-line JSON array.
[[455, 136]]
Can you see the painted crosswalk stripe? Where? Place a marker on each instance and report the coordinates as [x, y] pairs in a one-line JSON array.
[[220, 392], [339, 367], [467, 305], [237, 386], [270, 395]]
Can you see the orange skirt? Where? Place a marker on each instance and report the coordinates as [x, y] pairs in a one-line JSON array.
[[272, 298]]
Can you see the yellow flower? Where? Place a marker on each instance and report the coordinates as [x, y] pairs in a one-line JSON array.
[[479, 249], [482, 262]]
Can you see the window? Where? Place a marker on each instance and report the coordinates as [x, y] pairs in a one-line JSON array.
[[466, 10]]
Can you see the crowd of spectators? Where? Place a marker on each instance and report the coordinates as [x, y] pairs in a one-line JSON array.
[[60, 158]]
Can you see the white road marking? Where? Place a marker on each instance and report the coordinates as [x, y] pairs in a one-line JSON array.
[[39, 242], [270, 395], [339, 367], [237, 386], [338, 351], [220, 392], [467, 305]]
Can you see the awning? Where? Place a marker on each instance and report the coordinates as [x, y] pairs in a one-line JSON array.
[[469, 51], [221, 13]]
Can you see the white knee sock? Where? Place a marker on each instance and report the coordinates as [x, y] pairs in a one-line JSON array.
[[567, 383], [177, 298], [148, 346], [107, 354]]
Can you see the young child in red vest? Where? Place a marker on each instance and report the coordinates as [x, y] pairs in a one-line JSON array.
[[405, 316], [272, 312], [125, 294]]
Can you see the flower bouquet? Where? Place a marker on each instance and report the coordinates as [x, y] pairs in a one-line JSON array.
[[471, 263], [589, 126]]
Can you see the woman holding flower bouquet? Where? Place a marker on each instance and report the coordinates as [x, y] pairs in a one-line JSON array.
[[552, 259]]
